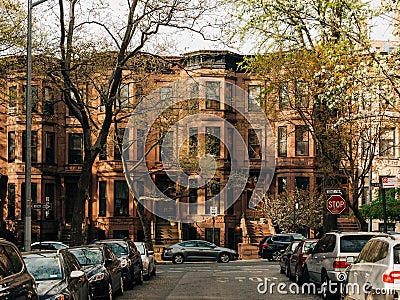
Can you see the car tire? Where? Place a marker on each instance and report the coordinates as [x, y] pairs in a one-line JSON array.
[[325, 289], [148, 276], [224, 258], [288, 272], [153, 273], [110, 292], [178, 259], [129, 281], [305, 277], [120, 290], [281, 270], [139, 279], [297, 276]]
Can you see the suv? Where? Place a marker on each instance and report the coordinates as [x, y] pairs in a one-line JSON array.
[[15, 280], [275, 244], [332, 254], [129, 256], [376, 271]]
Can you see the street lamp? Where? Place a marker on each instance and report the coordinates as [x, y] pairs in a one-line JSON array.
[[28, 158]]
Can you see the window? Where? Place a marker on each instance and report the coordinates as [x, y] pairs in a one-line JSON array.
[[34, 200], [102, 198], [166, 93], [193, 196], [282, 185], [48, 101], [75, 148], [11, 202], [386, 143], [121, 198], [123, 96], [229, 96], [302, 183], [194, 91], [254, 95], [49, 199], [212, 94], [230, 201], [284, 95], [103, 152], [11, 147], [35, 98], [139, 93], [34, 145], [282, 141], [254, 145], [301, 136], [50, 147], [119, 137], [213, 141], [212, 190], [140, 144], [193, 141], [167, 147], [354, 243], [301, 94], [12, 99]]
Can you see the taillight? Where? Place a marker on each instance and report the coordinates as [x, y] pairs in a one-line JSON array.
[[391, 277], [340, 264], [265, 245], [303, 258]]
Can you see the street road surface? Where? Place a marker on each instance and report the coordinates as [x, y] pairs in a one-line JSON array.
[[254, 279]]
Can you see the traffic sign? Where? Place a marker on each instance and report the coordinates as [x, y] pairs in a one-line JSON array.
[[336, 204], [390, 182], [214, 211], [41, 206], [334, 191]]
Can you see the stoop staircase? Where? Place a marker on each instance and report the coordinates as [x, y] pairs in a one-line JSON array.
[[347, 224], [166, 233]]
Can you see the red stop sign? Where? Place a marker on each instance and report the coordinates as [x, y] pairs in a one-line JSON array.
[[336, 204]]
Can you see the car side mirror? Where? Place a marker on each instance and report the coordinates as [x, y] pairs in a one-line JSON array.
[[77, 274], [150, 252], [213, 246]]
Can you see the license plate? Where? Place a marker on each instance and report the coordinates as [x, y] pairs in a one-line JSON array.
[[350, 259]]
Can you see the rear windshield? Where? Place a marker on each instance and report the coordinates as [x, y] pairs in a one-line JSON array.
[[396, 253], [353, 243]]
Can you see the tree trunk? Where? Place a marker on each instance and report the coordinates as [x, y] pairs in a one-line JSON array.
[[361, 221], [145, 225]]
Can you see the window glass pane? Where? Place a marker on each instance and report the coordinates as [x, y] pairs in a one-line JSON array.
[[282, 141], [50, 147], [254, 97], [212, 94], [353, 243], [121, 198], [301, 136], [102, 198], [193, 141], [11, 201], [213, 141], [75, 148], [11, 146], [386, 143], [254, 146], [284, 95]]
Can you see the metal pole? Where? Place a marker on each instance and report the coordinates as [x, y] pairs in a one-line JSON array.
[[370, 197], [28, 162], [213, 221]]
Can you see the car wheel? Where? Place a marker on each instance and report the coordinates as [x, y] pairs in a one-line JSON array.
[[224, 258], [297, 276], [282, 270], [178, 259], [148, 276], [326, 289], [305, 277], [139, 279], [153, 273], [288, 272], [276, 256], [120, 290]]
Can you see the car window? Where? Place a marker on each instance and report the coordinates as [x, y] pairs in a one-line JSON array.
[[373, 251], [188, 244], [330, 246], [320, 247], [73, 262], [141, 249], [204, 244], [118, 249], [308, 245], [353, 243], [44, 267], [88, 256], [396, 253], [294, 246]]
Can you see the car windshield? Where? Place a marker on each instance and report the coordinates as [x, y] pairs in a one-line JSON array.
[[294, 245], [119, 249], [44, 267], [353, 243], [309, 245], [141, 248], [86, 257]]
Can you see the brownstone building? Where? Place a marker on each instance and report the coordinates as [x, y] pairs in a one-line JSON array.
[[57, 153]]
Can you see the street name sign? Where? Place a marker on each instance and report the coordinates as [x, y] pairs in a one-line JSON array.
[[390, 182], [41, 206]]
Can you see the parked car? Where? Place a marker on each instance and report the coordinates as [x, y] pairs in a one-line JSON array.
[[375, 274], [48, 245], [332, 254], [58, 275], [148, 260], [102, 268], [285, 257], [130, 259], [260, 245], [276, 243], [298, 258], [197, 250], [15, 280]]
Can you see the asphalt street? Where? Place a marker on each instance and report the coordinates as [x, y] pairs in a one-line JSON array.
[[253, 279]]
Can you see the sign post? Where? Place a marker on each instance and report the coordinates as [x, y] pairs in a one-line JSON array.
[[387, 183], [213, 213]]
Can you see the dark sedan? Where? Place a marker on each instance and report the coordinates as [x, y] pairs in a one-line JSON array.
[[298, 258], [285, 258], [197, 250], [102, 268], [58, 275]]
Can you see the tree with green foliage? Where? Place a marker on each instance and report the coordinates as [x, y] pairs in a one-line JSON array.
[[316, 60], [374, 209]]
